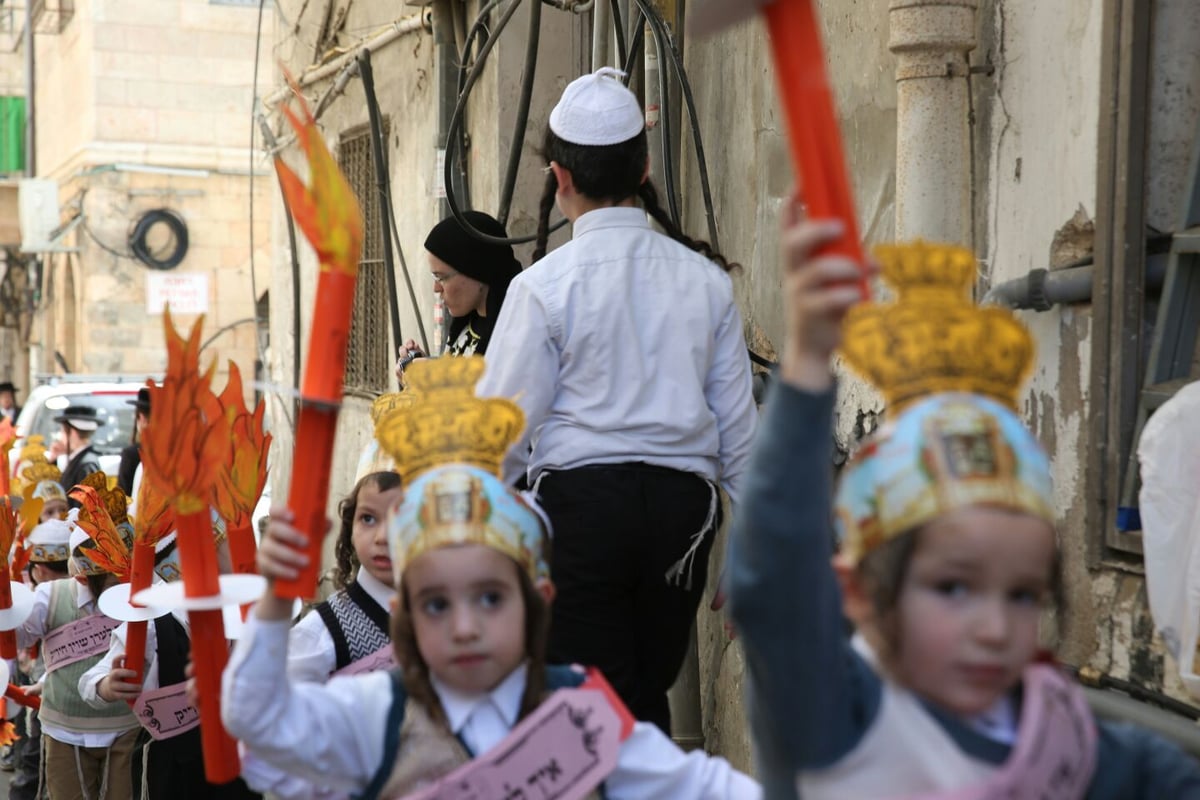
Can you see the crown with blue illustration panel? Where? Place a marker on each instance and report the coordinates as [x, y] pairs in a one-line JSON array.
[[448, 446]]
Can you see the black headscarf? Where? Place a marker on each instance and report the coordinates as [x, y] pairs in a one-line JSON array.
[[490, 264]]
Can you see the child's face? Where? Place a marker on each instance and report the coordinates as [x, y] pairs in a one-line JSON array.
[[368, 533], [968, 609], [468, 615], [53, 509]]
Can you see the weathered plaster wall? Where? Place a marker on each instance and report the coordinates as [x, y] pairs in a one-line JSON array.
[[744, 133]]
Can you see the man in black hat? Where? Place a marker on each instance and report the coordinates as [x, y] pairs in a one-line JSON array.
[[78, 425], [8, 401], [131, 456]]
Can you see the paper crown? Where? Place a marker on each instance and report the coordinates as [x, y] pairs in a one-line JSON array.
[[448, 445], [115, 501], [459, 504], [946, 452], [445, 423], [933, 338], [34, 467], [48, 542], [951, 373]]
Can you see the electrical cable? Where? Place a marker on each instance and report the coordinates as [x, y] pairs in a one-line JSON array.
[[456, 126], [139, 243], [619, 29], [657, 22], [379, 157], [521, 127], [664, 125]]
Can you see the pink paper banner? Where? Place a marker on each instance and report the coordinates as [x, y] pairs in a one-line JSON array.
[[77, 640], [166, 712], [383, 658], [562, 751]]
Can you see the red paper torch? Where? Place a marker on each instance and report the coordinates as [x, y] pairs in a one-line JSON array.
[[804, 91], [154, 520], [10, 523], [183, 450], [328, 214], [244, 473]]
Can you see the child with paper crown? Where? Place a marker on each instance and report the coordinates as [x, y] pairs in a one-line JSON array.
[[624, 348], [86, 750], [946, 564], [349, 632], [469, 628], [167, 758]]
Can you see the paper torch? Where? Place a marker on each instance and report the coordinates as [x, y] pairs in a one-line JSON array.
[[154, 520], [183, 450], [804, 91], [10, 524], [328, 214], [244, 474]]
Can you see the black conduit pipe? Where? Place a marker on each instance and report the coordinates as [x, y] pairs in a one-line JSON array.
[[522, 123], [379, 157]]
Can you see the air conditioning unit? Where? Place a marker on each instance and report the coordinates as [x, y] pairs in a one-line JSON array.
[[38, 208]]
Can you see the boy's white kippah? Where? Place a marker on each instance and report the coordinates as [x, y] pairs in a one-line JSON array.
[[597, 109]]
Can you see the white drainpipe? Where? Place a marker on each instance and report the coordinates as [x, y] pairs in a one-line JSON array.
[[931, 40]]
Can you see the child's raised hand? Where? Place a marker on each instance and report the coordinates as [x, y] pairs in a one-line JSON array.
[[281, 553], [281, 556], [119, 684], [817, 293]]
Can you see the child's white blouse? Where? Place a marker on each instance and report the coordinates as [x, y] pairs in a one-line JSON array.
[[334, 733]]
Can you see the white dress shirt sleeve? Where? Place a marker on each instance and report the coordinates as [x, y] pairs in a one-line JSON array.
[[311, 657], [528, 372], [34, 627], [89, 682], [278, 720], [650, 765], [728, 390]]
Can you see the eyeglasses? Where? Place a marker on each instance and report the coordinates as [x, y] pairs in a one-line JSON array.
[[443, 278]]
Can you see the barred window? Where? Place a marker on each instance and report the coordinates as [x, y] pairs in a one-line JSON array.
[[368, 361]]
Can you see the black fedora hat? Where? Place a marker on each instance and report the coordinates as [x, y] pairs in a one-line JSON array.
[[7, 386], [81, 418], [142, 403]]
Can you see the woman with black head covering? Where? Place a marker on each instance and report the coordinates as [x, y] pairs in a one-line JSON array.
[[472, 277]]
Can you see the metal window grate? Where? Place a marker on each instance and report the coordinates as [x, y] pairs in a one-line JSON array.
[[368, 354]]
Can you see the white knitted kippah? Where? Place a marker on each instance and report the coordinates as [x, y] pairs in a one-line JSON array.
[[597, 109]]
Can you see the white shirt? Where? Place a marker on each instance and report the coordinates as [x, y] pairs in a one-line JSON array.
[[624, 345], [33, 630], [311, 655], [275, 721], [89, 682], [311, 659]]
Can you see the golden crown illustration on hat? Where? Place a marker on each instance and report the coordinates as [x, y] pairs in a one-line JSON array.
[[448, 445], [951, 373], [34, 467]]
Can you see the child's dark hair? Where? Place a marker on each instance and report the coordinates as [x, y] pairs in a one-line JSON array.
[[60, 568], [416, 671], [611, 173], [883, 571], [345, 559]]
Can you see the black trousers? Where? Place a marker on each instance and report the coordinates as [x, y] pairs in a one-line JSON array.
[[618, 531]]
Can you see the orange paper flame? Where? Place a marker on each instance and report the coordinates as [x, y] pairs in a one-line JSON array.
[[155, 518], [8, 733], [244, 474], [10, 523], [328, 212], [187, 443], [110, 553]]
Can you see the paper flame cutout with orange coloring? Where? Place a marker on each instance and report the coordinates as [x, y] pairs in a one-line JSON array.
[[110, 552], [328, 213], [155, 518], [244, 474], [186, 445]]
